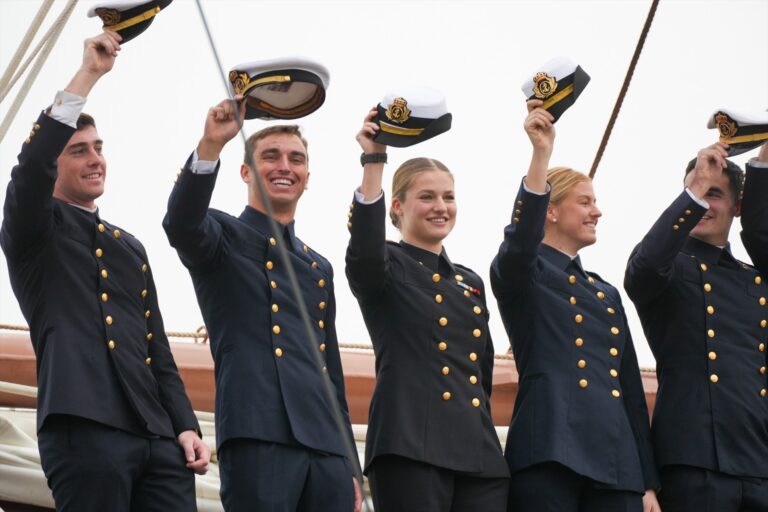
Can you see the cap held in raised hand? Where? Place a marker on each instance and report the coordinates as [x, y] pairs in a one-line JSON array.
[[127, 18], [410, 115], [558, 83], [741, 131]]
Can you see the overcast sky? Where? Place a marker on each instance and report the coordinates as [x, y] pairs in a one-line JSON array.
[[699, 56]]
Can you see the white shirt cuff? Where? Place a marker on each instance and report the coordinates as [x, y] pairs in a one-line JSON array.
[[66, 108], [702, 202], [202, 166], [525, 187], [360, 198], [754, 162]]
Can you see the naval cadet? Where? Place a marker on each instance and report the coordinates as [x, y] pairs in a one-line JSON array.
[[431, 444], [579, 438], [279, 444], [705, 317], [114, 422]]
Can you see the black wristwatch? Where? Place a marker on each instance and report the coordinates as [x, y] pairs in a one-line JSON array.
[[373, 158]]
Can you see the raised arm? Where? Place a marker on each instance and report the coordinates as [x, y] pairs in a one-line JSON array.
[[366, 254], [754, 210], [190, 229]]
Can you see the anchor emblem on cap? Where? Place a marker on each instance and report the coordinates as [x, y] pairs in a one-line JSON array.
[[398, 111], [726, 125], [544, 85]]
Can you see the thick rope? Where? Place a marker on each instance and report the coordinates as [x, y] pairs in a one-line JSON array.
[[23, 47], [624, 88], [49, 44]]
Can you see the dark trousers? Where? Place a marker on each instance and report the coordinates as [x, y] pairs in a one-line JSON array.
[[94, 467], [259, 476], [399, 484], [552, 487], [690, 489]]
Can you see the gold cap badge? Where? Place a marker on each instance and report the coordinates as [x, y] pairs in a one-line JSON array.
[[544, 85], [239, 81], [398, 111], [726, 125], [109, 16]]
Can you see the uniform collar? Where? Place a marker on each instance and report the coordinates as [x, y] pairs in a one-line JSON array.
[[261, 223], [439, 263], [561, 260], [706, 252]]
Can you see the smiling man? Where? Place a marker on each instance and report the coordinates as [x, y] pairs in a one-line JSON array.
[[278, 443], [116, 430], [705, 317]]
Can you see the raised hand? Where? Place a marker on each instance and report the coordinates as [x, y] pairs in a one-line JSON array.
[[539, 125], [222, 123], [710, 163], [99, 54], [369, 130]]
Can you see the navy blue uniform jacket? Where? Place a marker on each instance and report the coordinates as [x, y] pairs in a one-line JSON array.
[[268, 384], [706, 320], [434, 353], [86, 290], [581, 401]]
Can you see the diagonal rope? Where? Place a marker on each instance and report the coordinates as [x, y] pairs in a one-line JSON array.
[[351, 451], [55, 31], [624, 88]]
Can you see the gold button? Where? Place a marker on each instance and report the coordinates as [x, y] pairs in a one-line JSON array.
[[306, 249], [762, 301], [272, 241], [712, 356], [446, 370], [276, 329], [459, 277], [578, 319], [711, 333], [761, 347], [515, 219], [518, 212], [710, 310], [762, 370], [144, 268], [758, 279], [148, 360], [611, 311], [314, 264], [763, 392], [614, 373], [321, 305], [572, 300], [572, 279], [582, 363], [472, 379], [111, 344], [477, 333], [349, 224], [442, 346], [763, 323], [688, 212], [349, 215], [472, 356], [273, 284], [99, 253], [703, 267], [104, 297], [104, 273], [675, 227], [325, 369], [321, 324], [37, 126], [116, 233], [614, 351], [591, 280], [101, 228], [443, 321], [144, 293], [579, 342], [466, 293], [681, 220], [149, 336], [519, 203], [147, 313], [614, 330], [477, 310], [275, 308], [714, 378], [600, 295], [438, 298], [321, 283], [436, 278], [447, 395], [616, 393], [583, 383], [322, 347], [279, 352], [109, 320], [707, 287], [270, 265], [476, 402]]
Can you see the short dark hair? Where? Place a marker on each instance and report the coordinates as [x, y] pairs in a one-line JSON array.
[[735, 177], [290, 129], [84, 121]]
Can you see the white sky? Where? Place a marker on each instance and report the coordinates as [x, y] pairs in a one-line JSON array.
[[699, 56]]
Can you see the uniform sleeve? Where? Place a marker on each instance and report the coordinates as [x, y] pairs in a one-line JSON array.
[[190, 228], [754, 217], [514, 270], [651, 265], [28, 209], [367, 263]]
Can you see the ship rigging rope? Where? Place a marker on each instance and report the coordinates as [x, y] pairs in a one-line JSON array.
[[42, 51], [624, 88]]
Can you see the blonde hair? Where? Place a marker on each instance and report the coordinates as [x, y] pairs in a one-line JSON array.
[[562, 180], [405, 175]]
